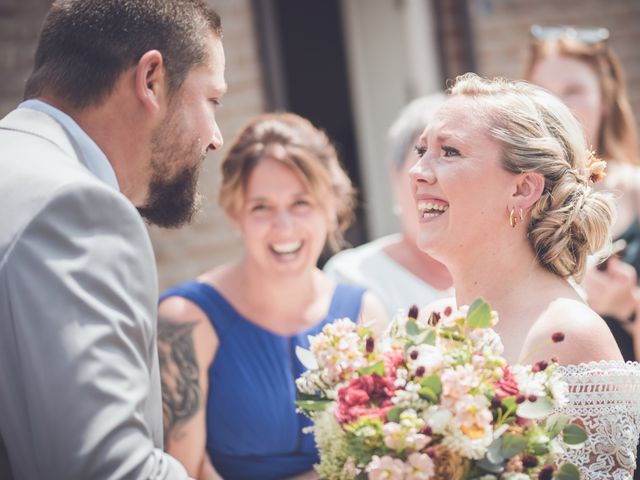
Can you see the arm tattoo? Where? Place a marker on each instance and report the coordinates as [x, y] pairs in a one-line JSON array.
[[179, 373]]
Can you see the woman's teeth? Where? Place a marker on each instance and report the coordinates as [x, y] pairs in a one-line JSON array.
[[429, 209], [286, 248]]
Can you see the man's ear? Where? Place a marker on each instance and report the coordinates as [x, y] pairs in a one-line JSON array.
[[150, 81], [529, 188]]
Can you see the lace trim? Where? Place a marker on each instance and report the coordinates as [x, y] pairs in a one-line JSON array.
[[605, 398]]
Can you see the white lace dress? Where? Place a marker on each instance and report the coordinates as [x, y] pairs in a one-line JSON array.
[[605, 398]]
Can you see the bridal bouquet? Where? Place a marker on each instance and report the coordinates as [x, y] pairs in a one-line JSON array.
[[433, 399]]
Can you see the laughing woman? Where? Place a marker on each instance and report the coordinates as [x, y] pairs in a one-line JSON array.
[[505, 198], [227, 340]]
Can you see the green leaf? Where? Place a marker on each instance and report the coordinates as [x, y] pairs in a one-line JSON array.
[[376, 369], [312, 405], [412, 327], [479, 315], [567, 471], [573, 434], [555, 423], [433, 383], [538, 449], [512, 445], [430, 338], [307, 358], [494, 452], [393, 415], [427, 393], [489, 466], [542, 407]]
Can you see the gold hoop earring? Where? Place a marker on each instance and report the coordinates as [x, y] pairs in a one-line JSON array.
[[513, 221], [521, 214]]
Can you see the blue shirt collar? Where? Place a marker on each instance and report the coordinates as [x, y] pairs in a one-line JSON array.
[[90, 154]]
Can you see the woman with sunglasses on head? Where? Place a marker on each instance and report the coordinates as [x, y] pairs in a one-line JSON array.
[[504, 191], [578, 66]]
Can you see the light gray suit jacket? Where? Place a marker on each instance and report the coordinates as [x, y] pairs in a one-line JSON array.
[[79, 378]]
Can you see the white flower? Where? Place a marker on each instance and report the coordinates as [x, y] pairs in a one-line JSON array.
[[393, 435], [438, 419], [385, 468], [428, 356], [486, 338], [468, 447], [419, 466]]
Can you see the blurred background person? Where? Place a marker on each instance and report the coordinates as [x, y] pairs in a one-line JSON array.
[[392, 267], [577, 65], [227, 340]]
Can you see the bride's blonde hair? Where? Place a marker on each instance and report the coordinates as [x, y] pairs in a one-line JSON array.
[[539, 134]]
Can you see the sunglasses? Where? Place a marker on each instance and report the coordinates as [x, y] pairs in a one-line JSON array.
[[588, 35]]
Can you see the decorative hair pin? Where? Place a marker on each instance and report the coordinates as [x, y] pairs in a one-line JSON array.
[[595, 167]]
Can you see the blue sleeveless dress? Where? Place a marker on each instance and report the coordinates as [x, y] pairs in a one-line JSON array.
[[253, 431]]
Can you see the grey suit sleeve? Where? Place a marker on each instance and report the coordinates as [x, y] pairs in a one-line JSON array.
[[80, 395]]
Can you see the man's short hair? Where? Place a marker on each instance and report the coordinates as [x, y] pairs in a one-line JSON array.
[[85, 45]]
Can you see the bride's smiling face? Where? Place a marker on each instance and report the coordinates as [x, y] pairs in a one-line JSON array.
[[459, 185]]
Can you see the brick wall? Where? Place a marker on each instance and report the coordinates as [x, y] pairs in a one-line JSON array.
[[501, 32], [181, 254]]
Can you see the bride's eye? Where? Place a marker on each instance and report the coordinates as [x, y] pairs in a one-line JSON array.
[[450, 151], [420, 151]]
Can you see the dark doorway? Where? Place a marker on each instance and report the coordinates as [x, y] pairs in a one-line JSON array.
[[305, 70]]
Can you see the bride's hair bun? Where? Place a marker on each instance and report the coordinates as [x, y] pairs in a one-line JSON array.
[[539, 134]]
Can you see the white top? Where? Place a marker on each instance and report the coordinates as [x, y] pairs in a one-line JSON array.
[[605, 398], [369, 266]]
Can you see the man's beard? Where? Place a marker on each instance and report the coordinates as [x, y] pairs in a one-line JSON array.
[[173, 200]]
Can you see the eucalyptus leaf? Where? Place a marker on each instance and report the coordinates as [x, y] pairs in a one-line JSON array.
[[567, 471], [512, 445], [555, 423], [479, 315], [488, 466], [494, 452], [412, 327], [573, 434], [307, 358], [542, 407]]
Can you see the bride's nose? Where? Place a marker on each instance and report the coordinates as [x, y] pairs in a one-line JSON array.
[[422, 172]]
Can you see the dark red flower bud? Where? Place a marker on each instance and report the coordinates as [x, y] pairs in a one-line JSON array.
[[370, 344], [426, 430], [413, 312], [431, 452], [554, 360], [532, 398], [448, 311], [420, 371], [557, 337], [540, 366], [529, 461], [546, 473], [520, 398], [496, 403], [413, 355], [434, 319]]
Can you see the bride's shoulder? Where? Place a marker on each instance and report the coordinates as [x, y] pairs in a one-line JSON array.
[[571, 332]]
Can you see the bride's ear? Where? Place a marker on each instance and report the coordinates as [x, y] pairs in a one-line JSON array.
[[529, 188]]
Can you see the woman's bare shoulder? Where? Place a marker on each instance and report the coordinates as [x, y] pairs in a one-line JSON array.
[[571, 332]]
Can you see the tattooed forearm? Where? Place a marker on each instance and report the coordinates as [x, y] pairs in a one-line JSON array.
[[179, 373]]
